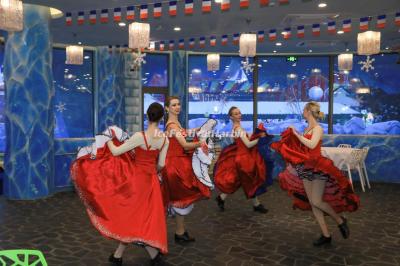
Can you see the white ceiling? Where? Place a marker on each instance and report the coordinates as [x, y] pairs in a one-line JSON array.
[[298, 12]]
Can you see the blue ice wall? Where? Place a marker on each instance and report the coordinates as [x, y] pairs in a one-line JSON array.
[[29, 156]]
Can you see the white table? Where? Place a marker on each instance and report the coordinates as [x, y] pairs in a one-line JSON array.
[[339, 156]]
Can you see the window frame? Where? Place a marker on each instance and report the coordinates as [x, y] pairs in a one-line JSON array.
[[331, 68]]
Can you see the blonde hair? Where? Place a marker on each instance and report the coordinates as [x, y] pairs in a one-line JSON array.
[[314, 108]]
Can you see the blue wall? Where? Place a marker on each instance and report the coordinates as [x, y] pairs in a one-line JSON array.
[[110, 70], [29, 155], [178, 83]]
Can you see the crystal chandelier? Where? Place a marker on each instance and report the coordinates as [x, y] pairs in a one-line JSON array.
[[74, 55], [213, 62], [369, 43], [11, 15], [248, 45], [139, 35], [345, 62]]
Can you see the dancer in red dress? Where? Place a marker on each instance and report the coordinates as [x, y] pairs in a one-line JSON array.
[[240, 165], [311, 179], [122, 192], [180, 186]]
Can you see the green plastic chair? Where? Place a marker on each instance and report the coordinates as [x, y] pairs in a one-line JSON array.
[[22, 257]]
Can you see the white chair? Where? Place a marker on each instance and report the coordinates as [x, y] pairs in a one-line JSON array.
[[363, 166], [354, 163], [344, 146]]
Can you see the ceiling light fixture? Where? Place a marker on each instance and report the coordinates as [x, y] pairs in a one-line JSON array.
[[177, 29], [11, 15], [278, 44], [122, 24], [55, 13], [340, 32], [322, 5]]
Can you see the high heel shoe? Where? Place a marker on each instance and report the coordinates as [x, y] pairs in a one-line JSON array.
[[221, 203], [260, 208], [344, 228], [183, 239], [115, 261], [323, 240], [158, 261]]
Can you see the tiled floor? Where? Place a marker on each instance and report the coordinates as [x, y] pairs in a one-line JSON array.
[[59, 227]]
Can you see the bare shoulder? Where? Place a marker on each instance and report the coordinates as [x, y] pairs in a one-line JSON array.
[[136, 136]]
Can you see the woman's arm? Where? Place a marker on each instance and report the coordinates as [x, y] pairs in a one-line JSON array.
[[163, 155], [128, 145], [243, 136], [317, 134], [181, 139]]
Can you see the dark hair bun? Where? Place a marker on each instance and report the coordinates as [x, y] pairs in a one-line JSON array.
[[155, 112]]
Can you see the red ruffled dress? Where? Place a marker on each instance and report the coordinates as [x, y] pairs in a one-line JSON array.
[[181, 188], [239, 166], [338, 191], [122, 195]]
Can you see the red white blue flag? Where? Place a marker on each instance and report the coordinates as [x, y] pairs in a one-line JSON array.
[[93, 17], [224, 39], [117, 14], [260, 35], [130, 13], [213, 41], [104, 16], [287, 33], [381, 22], [225, 5], [172, 8], [81, 17], [264, 2], [202, 42], [162, 46], [244, 3], [206, 6], [157, 10], [191, 43], [181, 44], [236, 37], [316, 29], [397, 19], [300, 31], [347, 25], [144, 12], [68, 18], [188, 7], [331, 27], [171, 45], [272, 35], [364, 23]]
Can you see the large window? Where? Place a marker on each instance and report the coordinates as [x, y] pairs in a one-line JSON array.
[[285, 85], [155, 71], [154, 82], [212, 93], [74, 100], [149, 98], [367, 98]]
